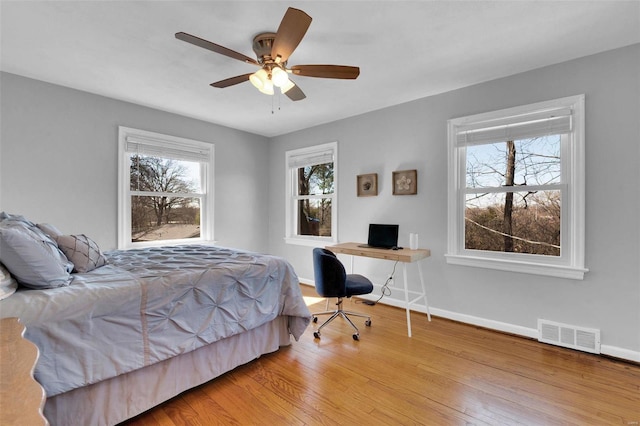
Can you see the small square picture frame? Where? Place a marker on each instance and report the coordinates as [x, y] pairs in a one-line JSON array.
[[405, 182], [367, 185]]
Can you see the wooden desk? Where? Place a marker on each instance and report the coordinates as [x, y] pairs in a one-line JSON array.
[[405, 256], [21, 397]]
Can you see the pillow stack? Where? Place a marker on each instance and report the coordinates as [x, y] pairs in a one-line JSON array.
[[40, 257]]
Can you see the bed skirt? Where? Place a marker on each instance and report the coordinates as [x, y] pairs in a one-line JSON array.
[[123, 397]]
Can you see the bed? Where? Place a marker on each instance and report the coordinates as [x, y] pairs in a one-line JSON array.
[[151, 323]]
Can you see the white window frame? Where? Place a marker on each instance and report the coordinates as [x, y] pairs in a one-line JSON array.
[[171, 147], [570, 264], [295, 159]]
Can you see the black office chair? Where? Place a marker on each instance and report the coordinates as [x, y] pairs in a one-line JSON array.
[[333, 281]]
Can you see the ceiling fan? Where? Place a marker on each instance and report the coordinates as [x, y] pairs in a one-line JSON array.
[[273, 51]]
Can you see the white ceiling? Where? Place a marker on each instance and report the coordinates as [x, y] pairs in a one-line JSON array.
[[405, 50]]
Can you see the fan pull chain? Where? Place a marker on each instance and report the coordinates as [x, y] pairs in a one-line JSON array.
[[279, 95]]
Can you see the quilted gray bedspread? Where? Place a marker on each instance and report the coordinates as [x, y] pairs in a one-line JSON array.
[[148, 305]]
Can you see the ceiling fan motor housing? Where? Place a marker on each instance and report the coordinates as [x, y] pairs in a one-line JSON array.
[[262, 44]]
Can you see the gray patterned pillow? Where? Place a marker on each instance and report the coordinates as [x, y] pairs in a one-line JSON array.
[[82, 251]]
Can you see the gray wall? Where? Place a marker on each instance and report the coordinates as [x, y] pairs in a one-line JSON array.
[[413, 135], [58, 162]]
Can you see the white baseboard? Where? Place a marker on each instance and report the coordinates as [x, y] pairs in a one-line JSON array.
[[532, 333], [621, 353], [613, 351], [487, 323]]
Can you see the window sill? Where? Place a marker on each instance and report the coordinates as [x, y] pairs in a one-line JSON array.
[[162, 243], [559, 271], [310, 242]]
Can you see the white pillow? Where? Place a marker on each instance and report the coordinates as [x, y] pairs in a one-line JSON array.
[[8, 285], [49, 230]]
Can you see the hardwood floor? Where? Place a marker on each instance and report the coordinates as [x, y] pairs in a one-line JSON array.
[[446, 374]]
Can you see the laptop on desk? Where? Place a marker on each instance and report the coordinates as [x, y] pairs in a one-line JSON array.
[[382, 236]]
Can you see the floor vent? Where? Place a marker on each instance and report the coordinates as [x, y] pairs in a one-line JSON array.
[[569, 336]]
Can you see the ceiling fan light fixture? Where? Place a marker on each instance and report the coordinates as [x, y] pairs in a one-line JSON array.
[[279, 77], [267, 88], [259, 79]]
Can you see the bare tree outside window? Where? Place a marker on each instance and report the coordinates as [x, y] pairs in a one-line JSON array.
[[513, 201], [314, 210], [165, 204]]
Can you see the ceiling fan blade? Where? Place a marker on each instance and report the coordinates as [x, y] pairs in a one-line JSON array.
[[293, 27], [326, 71], [215, 47], [231, 81], [295, 94]]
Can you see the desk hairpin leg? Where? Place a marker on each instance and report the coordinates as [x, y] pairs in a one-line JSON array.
[[406, 295], [424, 291], [406, 298]]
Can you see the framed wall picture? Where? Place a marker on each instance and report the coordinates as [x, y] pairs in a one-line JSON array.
[[405, 182], [367, 185]]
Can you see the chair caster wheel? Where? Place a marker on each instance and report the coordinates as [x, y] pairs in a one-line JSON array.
[[356, 337], [315, 319], [316, 334], [367, 323]]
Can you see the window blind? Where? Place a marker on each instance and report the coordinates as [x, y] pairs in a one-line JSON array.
[[525, 126], [310, 158], [157, 147]]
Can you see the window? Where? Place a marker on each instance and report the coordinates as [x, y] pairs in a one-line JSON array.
[[311, 211], [165, 189], [516, 189]]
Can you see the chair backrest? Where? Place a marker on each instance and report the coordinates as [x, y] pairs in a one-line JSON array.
[[329, 273]]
